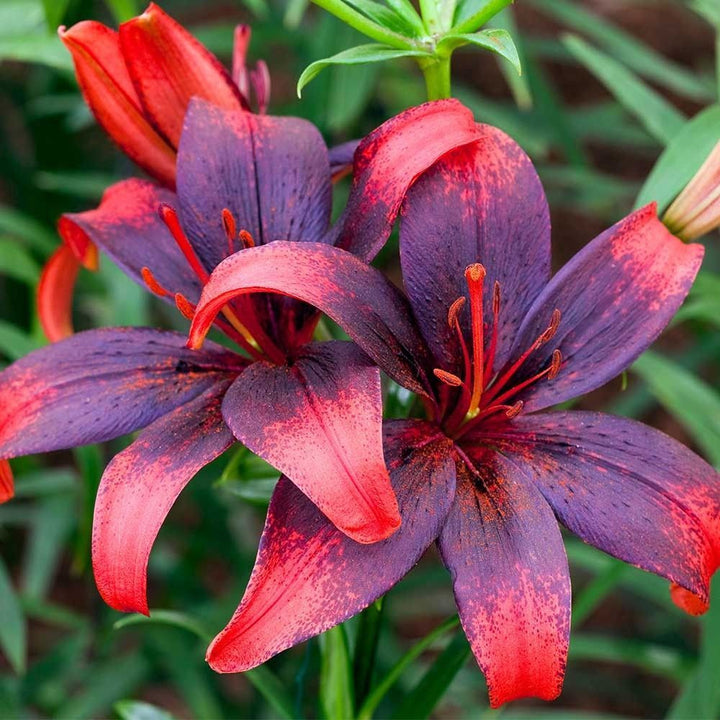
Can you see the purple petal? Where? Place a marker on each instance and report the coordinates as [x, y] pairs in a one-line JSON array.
[[309, 576], [624, 487], [273, 174], [101, 384], [341, 158], [482, 203], [615, 297], [139, 487], [504, 550], [319, 421], [127, 227]]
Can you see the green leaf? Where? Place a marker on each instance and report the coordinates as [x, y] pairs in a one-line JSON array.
[[628, 50], [17, 263], [423, 698], [273, 690], [42, 49], [366, 645], [687, 398], [33, 233], [166, 617], [137, 710], [407, 11], [387, 17], [21, 17], [660, 118], [123, 10], [681, 159], [709, 9], [517, 81], [336, 686], [14, 343], [473, 14], [370, 53], [703, 302], [13, 635], [499, 42], [590, 597], [89, 186], [55, 12]]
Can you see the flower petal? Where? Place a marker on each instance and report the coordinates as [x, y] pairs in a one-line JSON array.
[[625, 488], [273, 174], [100, 384], [356, 296], [139, 487], [108, 90], [319, 421], [616, 296], [309, 576], [341, 158], [480, 203], [7, 484], [389, 160], [127, 227], [55, 294], [504, 550], [168, 66]]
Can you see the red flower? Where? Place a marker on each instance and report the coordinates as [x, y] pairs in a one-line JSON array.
[[490, 342]]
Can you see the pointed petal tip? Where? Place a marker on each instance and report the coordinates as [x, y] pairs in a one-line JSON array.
[[498, 698], [7, 484], [381, 528], [689, 601]]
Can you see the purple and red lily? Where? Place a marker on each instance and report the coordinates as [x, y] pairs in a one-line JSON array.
[[490, 342]]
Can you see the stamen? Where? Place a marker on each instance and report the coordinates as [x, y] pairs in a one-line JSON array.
[[153, 285], [555, 365], [230, 228], [246, 239], [186, 308], [454, 311], [490, 360], [475, 277], [550, 372], [447, 377], [515, 410], [170, 218], [551, 329]]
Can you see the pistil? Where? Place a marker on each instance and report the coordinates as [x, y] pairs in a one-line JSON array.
[[475, 277]]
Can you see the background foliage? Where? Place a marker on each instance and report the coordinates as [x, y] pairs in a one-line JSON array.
[[608, 87]]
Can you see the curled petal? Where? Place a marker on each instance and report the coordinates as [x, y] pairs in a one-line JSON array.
[[309, 576], [688, 601], [623, 487], [358, 297], [341, 158], [615, 297], [7, 484], [168, 66], [108, 90], [319, 421], [139, 487], [101, 384], [504, 550], [55, 294], [389, 160]]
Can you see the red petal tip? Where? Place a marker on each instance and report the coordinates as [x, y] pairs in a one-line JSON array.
[[688, 601]]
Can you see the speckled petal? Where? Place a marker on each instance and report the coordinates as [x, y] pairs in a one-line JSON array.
[[139, 487], [624, 487], [101, 384], [504, 550], [319, 421], [309, 576]]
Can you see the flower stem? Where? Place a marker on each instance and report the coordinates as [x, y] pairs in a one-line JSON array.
[[481, 16], [352, 17], [437, 76]]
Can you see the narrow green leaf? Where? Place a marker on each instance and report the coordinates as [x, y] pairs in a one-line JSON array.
[[55, 12], [423, 698], [370, 53], [17, 263], [366, 644], [499, 42], [47, 481], [166, 617], [13, 634], [681, 159], [406, 10], [687, 398], [703, 302], [53, 614], [709, 9], [660, 118], [628, 50], [380, 690], [336, 686], [517, 81], [273, 690], [33, 233], [123, 10], [590, 597], [42, 49], [137, 710], [89, 186], [386, 17], [294, 13], [14, 343], [473, 14]]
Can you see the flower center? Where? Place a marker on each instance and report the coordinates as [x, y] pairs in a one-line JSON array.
[[248, 333], [482, 393]]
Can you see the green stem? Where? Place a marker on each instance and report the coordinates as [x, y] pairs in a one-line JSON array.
[[366, 646], [366, 26], [481, 16], [437, 76], [379, 692]]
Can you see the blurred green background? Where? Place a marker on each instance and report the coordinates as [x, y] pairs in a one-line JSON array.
[[607, 86]]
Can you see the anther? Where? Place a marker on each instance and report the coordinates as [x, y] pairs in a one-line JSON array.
[[552, 328], [186, 308], [496, 300], [454, 311], [555, 365], [153, 285], [246, 239], [230, 228], [447, 377]]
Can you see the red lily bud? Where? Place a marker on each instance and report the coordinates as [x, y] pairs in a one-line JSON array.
[[105, 82], [168, 67]]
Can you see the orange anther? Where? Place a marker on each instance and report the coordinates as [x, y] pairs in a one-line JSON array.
[[153, 285], [447, 377]]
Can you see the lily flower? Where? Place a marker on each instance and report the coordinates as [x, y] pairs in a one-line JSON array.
[[313, 410], [696, 211], [490, 341], [138, 83]]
